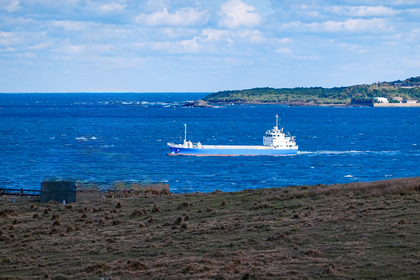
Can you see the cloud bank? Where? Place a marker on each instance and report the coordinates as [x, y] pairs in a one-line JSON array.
[[225, 44]]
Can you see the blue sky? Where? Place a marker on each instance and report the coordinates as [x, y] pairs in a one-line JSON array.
[[204, 46]]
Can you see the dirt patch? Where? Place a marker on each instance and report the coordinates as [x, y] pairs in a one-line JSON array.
[[135, 265], [98, 267], [8, 212], [314, 253]]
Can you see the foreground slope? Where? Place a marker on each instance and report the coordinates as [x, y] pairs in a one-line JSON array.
[[368, 230]]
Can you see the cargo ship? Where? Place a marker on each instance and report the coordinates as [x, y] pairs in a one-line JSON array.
[[275, 143]]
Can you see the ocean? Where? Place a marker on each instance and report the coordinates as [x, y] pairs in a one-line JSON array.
[[103, 138]]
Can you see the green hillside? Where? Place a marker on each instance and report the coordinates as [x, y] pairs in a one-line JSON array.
[[318, 95], [412, 80]]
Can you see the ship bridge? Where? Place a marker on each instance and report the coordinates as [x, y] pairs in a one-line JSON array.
[[277, 139]]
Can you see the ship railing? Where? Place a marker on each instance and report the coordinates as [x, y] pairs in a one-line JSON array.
[[176, 145], [234, 147]]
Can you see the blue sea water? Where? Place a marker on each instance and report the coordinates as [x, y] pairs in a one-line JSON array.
[[107, 137]]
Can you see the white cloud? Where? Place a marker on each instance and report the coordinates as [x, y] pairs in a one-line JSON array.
[[254, 36], [69, 25], [175, 32], [413, 61], [183, 17], [117, 62], [350, 47], [362, 51], [103, 48], [190, 45], [182, 46], [353, 25], [235, 13], [10, 52], [292, 25], [307, 10], [11, 6], [71, 49], [214, 34], [26, 55], [286, 40], [406, 2], [350, 25], [307, 57], [157, 4], [7, 50], [104, 8], [363, 11], [39, 46], [15, 21], [9, 38], [283, 50], [413, 11], [111, 7]]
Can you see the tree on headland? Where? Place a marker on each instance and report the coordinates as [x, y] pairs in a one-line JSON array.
[[319, 95]]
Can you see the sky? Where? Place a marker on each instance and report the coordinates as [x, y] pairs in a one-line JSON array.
[[203, 45]]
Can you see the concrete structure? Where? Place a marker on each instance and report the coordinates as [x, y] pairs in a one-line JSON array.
[[362, 101], [410, 101], [396, 105], [58, 190]]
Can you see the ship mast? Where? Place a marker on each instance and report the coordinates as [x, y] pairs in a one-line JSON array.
[[277, 121], [185, 138]]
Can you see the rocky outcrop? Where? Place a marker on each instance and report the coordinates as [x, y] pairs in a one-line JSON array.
[[198, 103]]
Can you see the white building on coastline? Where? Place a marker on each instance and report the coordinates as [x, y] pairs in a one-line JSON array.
[[381, 99], [410, 101]]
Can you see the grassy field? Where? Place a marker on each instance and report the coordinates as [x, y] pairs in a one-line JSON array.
[[351, 231]]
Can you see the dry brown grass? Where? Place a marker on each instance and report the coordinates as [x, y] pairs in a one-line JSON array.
[[360, 230], [377, 188]]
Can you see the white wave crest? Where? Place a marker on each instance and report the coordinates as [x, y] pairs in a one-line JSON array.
[[85, 138], [345, 152]]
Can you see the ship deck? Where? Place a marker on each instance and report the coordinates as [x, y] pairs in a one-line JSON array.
[[222, 147]]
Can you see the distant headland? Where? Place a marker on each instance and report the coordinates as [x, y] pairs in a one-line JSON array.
[[397, 93]]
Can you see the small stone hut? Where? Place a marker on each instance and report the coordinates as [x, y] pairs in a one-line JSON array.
[[58, 190]]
